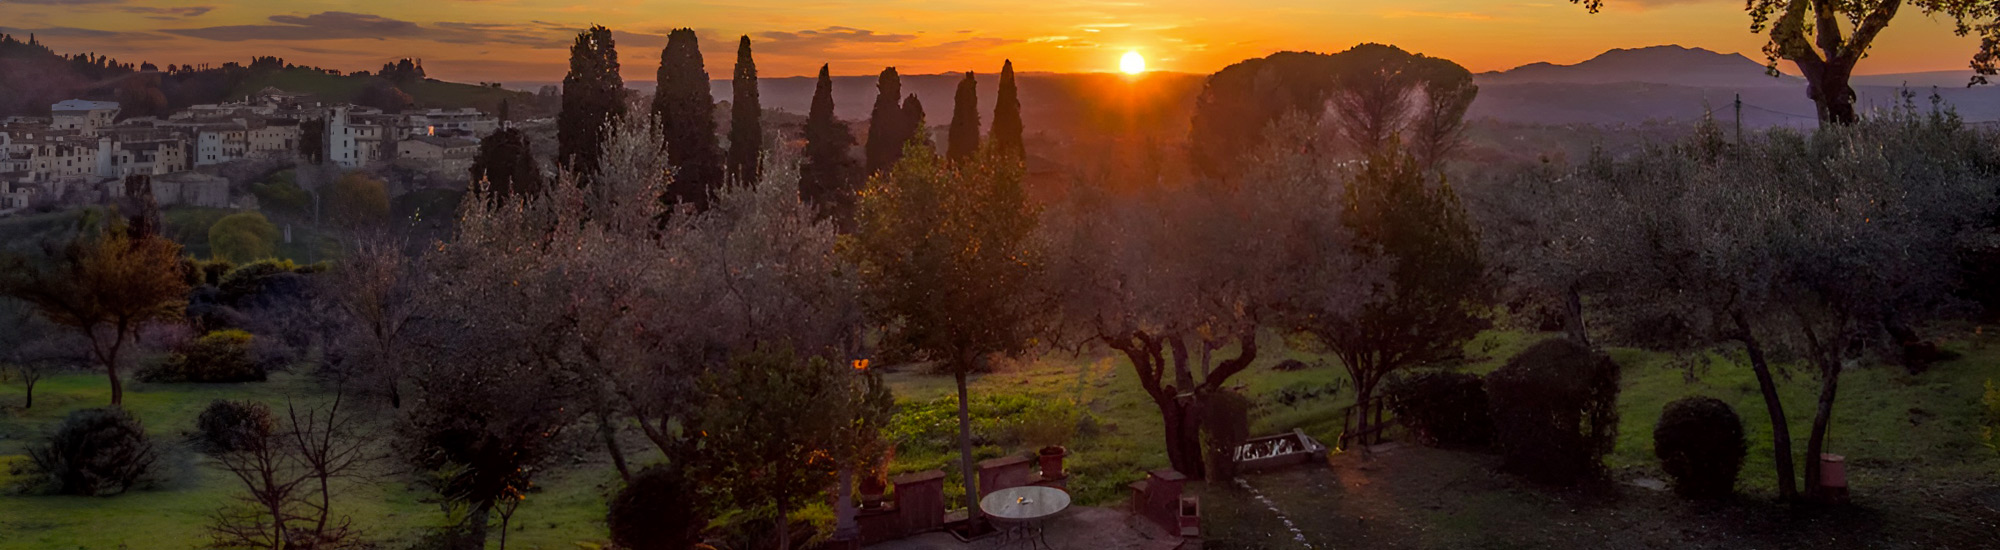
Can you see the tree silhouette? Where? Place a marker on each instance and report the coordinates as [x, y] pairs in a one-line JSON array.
[[746, 128], [827, 177], [593, 97], [965, 120], [1007, 116], [885, 123], [686, 113], [914, 125], [506, 162], [1825, 40]]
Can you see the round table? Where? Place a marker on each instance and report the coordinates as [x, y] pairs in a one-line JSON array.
[[1022, 509]]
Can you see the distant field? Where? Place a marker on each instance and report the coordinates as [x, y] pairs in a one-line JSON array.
[[1904, 436]]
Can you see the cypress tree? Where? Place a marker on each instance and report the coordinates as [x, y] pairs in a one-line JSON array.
[[746, 127], [965, 120], [1007, 116], [826, 176], [685, 111], [593, 98], [913, 120], [506, 161], [886, 129]]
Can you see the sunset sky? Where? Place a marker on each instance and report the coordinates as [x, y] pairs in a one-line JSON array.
[[527, 40]]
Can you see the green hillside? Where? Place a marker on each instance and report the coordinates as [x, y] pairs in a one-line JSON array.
[[343, 89]]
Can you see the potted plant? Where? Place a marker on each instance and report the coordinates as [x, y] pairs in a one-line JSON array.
[[874, 480], [1047, 428]]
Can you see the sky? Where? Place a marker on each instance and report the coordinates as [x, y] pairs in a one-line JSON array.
[[528, 40]]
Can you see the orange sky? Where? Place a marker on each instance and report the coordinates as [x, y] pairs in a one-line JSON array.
[[527, 40]]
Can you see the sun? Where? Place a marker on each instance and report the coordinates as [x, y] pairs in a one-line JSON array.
[[1132, 63]]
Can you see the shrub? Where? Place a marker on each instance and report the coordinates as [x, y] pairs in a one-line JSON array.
[[660, 509], [232, 425], [1554, 410], [219, 356], [1441, 407], [96, 451], [357, 200], [1049, 423], [205, 272], [282, 195], [243, 237], [1699, 441]]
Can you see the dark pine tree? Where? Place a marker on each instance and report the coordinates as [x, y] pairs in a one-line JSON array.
[[593, 97], [914, 126], [965, 120], [506, 162], [886, 129], [826, 176], [1007, 116], [746, 126], [686, 113]]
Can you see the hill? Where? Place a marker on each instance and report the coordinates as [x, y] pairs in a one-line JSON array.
[[33, 76], [346, 88], [1670, 64]]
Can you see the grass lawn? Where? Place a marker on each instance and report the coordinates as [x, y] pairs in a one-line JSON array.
[[1911, 441]]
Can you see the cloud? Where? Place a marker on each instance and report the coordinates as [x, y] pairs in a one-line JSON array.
[[1453, 15], [74, 32], [830, 35], [155, 12], [168, 13], [330, 25]]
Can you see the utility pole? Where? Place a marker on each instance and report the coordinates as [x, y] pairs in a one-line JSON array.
[[1739, 118]]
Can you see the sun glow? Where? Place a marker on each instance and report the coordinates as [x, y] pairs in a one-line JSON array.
[[1132, 63]]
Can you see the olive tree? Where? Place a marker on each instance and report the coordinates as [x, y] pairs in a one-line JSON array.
[[947, 257]]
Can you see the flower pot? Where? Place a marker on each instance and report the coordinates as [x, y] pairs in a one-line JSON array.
[[872, 488], [1051, 458]]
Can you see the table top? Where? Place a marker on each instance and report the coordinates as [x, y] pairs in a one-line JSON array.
[[1025, 503]]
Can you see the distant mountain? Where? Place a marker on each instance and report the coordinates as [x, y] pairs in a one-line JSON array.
[[1670, 64]]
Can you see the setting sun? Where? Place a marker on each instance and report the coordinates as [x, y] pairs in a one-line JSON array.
[[1132, 63]]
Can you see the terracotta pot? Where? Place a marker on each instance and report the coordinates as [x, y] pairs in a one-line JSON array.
[[872, 488], [1052, 461]]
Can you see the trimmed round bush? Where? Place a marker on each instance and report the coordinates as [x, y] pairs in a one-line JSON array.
[[96, 452], [1555, 411], [659, 510], [1441, 407], [217, 357], [232, 425], [1699, 441]]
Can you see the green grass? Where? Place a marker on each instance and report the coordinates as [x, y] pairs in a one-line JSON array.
[[566, 509], [1897, 431]]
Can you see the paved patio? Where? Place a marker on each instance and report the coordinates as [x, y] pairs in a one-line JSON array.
[[1079, 527]]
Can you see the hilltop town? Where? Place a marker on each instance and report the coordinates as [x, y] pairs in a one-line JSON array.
[[81, 153]]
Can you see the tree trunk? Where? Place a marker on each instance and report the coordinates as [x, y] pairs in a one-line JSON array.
[[965, 466], [1183, 376], [1816, 440], [117, 386], [610, 436], [475, 527], [1573, 317], [1827, 85], [784, 527], [28, 382], [1781, 435]]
